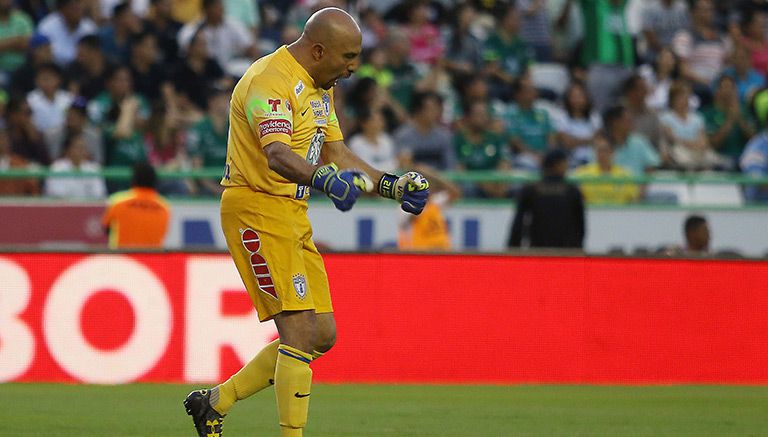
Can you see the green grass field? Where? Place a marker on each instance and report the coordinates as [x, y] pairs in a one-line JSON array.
[[50, 410]]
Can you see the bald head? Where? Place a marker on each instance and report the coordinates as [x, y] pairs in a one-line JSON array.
[[331, 24], [330, 46]]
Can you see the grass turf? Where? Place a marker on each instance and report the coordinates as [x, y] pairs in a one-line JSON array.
[[52, 410]]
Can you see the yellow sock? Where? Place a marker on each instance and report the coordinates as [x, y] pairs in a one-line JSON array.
[[293, 380], [256, 375]]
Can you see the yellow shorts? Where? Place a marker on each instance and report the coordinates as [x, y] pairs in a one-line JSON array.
[[270, 239]]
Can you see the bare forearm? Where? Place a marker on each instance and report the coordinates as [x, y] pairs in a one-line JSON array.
[[337, 152], [289, 165]]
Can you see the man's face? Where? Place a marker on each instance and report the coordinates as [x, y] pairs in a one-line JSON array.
[[73, 12], [704, 11], [698, 238], [339, 59]]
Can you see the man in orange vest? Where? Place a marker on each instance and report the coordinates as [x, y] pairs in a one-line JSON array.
[[137, 218]]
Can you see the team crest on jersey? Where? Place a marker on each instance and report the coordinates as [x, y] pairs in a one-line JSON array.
[[299, 88], [327, 104], [300, 285]]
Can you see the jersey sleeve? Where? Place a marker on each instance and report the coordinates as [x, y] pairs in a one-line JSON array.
[[269, 114], [334, 131]]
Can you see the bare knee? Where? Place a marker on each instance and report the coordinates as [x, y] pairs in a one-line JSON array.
[[297, 329], [325, 336]]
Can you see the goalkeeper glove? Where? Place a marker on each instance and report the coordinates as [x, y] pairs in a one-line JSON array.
[[410, 189], [342, 186]]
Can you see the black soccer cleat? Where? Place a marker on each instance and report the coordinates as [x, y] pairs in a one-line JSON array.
[[208, 421]]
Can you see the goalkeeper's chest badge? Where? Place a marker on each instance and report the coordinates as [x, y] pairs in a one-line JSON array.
[[300, 285]]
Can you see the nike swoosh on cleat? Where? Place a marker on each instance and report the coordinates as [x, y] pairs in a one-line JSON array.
[[300, 395]]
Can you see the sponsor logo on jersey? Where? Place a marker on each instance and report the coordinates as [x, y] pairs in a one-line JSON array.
[[288, 106], [275, 126], [252, 243], [274, 103], [299, 88], [300, 285]]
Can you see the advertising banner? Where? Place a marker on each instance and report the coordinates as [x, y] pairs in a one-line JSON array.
[[122, 318]]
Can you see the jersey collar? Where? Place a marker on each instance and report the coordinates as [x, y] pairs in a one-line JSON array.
[[299, 69]]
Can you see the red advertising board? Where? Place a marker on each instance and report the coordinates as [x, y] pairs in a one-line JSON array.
[[401, 318]]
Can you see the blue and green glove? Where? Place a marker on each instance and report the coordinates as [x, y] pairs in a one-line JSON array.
[[342, 186], [410, 189]]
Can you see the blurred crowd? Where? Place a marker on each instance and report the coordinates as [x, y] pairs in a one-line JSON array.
[[621, 87]]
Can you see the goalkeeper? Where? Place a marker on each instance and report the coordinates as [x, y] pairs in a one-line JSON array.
[[282, 123]]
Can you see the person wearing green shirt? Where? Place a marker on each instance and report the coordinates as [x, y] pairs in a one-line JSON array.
[[506, 55], [480, 148], [727, 122], [607, 48], [530, 129], [15, 31], [207, 139]]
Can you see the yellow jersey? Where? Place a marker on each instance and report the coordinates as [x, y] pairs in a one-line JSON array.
[[276, 100], [607, 193]]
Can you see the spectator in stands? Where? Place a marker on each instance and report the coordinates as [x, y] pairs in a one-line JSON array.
[[578, 126], [76, 124], [659, 78], [49, 102], [753, 38], [607, 50], [697, 235], [535, 28], [207, 139], [506, 55], [406, 77], [122, 116], [39, 52], [606, 192], [632, 151], [87, 74], [702, 49], [550, 212], [195, 71], [160, 23], [645, 120], [11, 160], [225, 39], [728, 123], [426, 43], [367, 95], [166, 146], [116, 36], [65, 27], [137, 218], [374, 65], [372, 143], [149, 75], [26, 140], [15, 32], [748, 80], [685, 131], [423, 140], [530, 130], [478, 147], [661, 21], [75, 159], [464, 52], [754, 160]]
